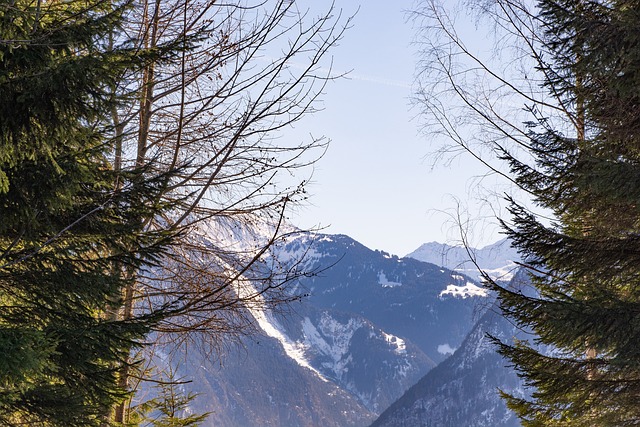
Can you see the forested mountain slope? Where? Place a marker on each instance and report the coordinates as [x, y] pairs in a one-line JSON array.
[[372, 326], [463, 390]]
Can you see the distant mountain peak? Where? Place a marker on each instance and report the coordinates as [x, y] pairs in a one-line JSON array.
[[498, 259]]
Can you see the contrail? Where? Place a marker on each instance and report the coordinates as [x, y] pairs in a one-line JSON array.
[[330, 72], [378, 80]]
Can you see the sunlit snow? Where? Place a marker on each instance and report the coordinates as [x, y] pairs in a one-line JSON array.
[[468, 290], [293, 350], [299, 248], [400, 346], [386, 283], [271, 327]]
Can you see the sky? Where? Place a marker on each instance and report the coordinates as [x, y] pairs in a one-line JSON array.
[[377, 182]]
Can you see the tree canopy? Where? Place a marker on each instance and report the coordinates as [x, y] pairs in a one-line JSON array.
[[137, 151], [574, 71], [65, 227]]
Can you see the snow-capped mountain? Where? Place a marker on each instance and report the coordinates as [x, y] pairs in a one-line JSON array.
[[498, 259], [463, 390], [429, 305], [372, 326]]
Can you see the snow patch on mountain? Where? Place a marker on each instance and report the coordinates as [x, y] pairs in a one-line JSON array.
[[234, 235], [397, 342], [386, 283], [272, 328], [446, 349], [299, 249], [468, 290], [296, 254], [294, 350], [331, 340]]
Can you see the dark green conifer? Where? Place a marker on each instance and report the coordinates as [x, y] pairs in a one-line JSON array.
[[584, 364], [66, 229]]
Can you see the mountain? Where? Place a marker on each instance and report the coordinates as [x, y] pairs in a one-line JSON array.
[[430, 306], [463, 390], [372, 326], [497, 259], [326, 369], [260, 385]]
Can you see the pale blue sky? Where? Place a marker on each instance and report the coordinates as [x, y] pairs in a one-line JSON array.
[[376, 183]]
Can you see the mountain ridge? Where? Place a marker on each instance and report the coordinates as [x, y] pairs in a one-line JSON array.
[[497, 259], [463, 390], [372, 325]]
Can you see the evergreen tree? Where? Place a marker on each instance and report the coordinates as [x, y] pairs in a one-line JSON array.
[[170, 405], [576, 69], [66, 230], [586, 305]]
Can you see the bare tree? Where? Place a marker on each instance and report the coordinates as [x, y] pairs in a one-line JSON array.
[[211, 118], [481, 80]]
